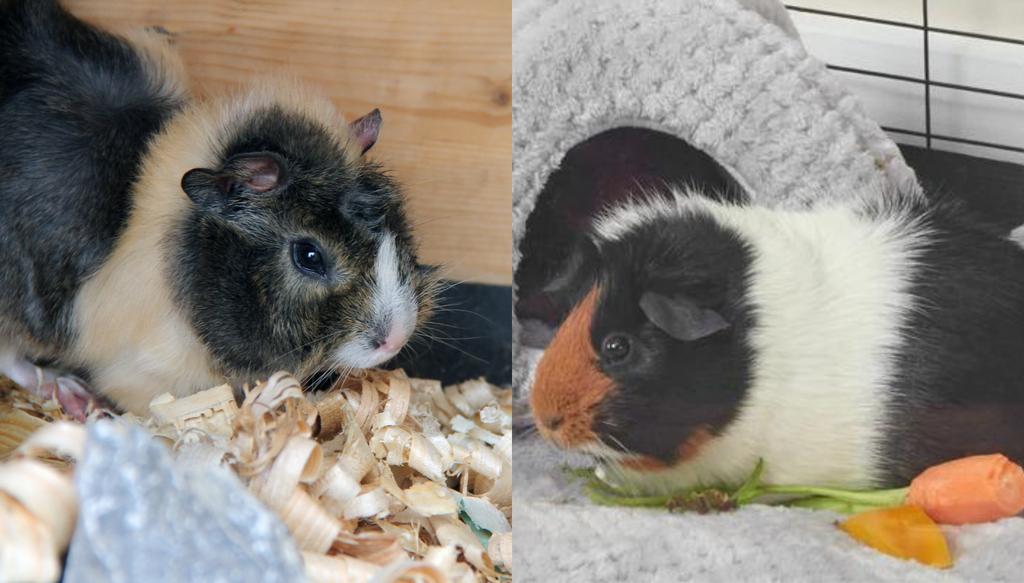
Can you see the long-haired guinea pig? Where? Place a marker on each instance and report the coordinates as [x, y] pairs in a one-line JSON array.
[[150, 242], [850, 346]]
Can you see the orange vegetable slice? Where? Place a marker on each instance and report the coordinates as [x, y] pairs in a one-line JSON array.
[[974, 489], [905, 532]]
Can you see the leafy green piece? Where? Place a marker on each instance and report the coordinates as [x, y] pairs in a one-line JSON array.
[[481, 533], [482, 517], [719, 498]]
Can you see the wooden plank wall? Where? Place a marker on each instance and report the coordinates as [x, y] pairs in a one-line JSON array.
[[439, 70]]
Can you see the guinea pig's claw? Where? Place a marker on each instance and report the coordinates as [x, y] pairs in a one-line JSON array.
[[74, 397], [47, 384]]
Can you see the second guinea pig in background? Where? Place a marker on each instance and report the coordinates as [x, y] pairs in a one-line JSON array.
[[850, 346], [153, 243]]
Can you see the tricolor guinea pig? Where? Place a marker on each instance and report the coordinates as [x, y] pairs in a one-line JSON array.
[[849, 346], [151, 242]]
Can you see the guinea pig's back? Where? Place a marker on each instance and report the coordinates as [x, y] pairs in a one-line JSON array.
[[77, 107], [907, 318]]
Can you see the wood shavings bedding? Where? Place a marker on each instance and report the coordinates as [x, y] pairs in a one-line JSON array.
[[381, 477]]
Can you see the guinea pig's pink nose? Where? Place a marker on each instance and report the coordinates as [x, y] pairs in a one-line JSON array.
[[391, 343]]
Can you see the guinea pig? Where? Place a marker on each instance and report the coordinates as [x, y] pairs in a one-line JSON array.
[[848, 346], [151, 242]]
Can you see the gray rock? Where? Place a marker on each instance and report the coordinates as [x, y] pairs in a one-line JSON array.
[[144, 517]]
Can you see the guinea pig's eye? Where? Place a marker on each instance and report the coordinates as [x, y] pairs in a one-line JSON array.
[[309, 258], [615, 348]]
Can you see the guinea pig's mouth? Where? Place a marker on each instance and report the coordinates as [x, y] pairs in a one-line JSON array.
[[610, 450]]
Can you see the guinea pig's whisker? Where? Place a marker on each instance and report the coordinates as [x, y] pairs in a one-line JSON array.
[[447, 285], [602, 450], [434, 325], [436, 285], [413, 350], [427, 222], [318, 339], [622, 449], [430, 332], [287, 354], [456, 348], [615, 474], [523, 427], [311, 342], [320, 377], [439, 283], [344, 375], [481, 316], [436, 289], [450, 269]]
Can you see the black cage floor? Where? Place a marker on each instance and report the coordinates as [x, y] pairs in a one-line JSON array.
[[469, 336], [991, 188]]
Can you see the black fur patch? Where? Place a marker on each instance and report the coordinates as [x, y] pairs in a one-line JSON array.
[[960, 383], [76, 110], [235, 278], [669, 388], [609, 168]]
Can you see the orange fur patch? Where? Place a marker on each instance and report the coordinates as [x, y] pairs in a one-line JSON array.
[[568, 385], [693, 445], [643, 463]]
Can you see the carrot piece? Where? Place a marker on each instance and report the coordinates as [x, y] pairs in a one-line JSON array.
[[979, 488], [905, 532]]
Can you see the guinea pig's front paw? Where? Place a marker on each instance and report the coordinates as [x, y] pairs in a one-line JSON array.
[[47, 383]]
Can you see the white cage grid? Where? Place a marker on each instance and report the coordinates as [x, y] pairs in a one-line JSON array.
[[955, 88]]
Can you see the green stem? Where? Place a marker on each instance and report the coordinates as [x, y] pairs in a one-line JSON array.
[[750, 488], [873, 498], [572, 474], [823, 503], [604, 498]]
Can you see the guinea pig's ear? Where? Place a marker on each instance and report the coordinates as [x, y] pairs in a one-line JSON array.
[[575, 274], [366, 129], [257, 172], [210, 189], [205, 188], [680, 317]]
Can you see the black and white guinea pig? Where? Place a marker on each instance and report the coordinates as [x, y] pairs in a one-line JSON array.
[[152, 243], [848, 346]]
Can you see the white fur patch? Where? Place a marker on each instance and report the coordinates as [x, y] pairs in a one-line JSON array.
[[1017, 235], [393, 306], [829, 288], [614, 223], [389, 291]]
